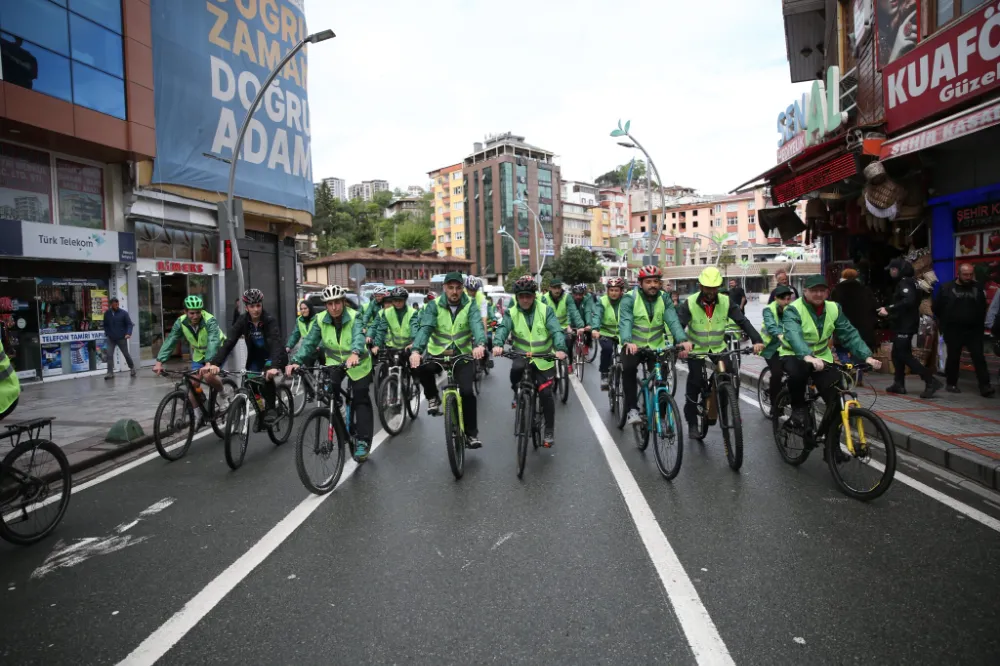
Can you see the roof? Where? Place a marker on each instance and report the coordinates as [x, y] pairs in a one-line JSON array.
[[378, 254], [445, 169]]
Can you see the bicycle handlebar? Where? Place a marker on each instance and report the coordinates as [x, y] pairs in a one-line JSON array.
[[512, 354]]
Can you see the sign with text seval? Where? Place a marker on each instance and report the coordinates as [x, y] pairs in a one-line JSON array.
[[209, 60], [955, 66]]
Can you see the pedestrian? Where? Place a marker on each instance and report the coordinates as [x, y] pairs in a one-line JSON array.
[[858, 304], [737, 295], [118, 330], [781, 277], [960, 308], [904, 320]]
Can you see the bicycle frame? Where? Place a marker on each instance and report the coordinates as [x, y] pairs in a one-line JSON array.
[[448, 363], [651, 385]]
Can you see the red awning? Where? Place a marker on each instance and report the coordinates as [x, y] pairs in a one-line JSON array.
[[789, 165], [948, 129], [827, 173]]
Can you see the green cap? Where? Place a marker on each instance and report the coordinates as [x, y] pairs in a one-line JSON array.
[[454, 276], [555, 282], [814, 281], [782, 290]]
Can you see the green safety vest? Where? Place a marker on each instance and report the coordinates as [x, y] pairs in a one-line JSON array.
[[10, 386], [398, 332], [645, 333], [199, 344], [765, 336], [451, 332], [707, 335], [337, 350], [819, 344], [534, 340], [609, 319], [561, 314], [304, 326]]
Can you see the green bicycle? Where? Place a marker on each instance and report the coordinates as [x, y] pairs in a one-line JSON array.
[[454, 423]]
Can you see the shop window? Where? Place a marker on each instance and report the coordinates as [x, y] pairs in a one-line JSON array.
[[98, 91], [66, 309], [25, 185], [106, 12], [146, 235], [81, 194], [949, 10], [206, 248], [96, 46]]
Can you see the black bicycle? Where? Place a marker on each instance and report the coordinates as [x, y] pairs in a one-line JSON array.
[[720, 401], [562, 381], [175, 421], [248, 406], [398, 394], [616, 396], [528, 417], [34, 476]]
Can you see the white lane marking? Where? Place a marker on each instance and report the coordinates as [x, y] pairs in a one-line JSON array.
[[703, 637], [947, 500], [80, 550], [501, 541]]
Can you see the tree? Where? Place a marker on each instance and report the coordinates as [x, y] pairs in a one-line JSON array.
[[576, 265], [413, 236], [618, 177], [513, 275]]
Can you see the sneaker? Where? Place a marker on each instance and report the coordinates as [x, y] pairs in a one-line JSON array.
[[569, 369], [549, 438], [694, 432], [932, 387], [474, 443], [270, 416], [132, 372], [987, 391], [633, 417], [951, 388], [489, 364], [434, 406], [361, 451], [898, 389], [799, 417], [107, 377], [604, 381]]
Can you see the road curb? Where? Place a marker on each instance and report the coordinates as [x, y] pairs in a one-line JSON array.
[[968, 464], [101, 457]]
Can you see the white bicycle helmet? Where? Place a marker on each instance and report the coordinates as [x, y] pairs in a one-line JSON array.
[[472, 283], [334, 292]]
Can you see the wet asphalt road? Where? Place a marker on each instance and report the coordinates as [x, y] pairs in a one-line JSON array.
[[402, 564]]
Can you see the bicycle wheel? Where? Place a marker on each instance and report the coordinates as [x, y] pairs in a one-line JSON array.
[[537, 423], [874, 456], [237, 430], [731, 423], [453, 436], [668, 437], [764, 392], [299, 394], [640, 431], [220, 406], [281, 429], [391, 411], [411, 391], [319, 440], [477, 381], [620, 399], [593, 351], [34, 490], [671, 378], [173, 425], [525, 424], [613, 389], [563, 384], [791, 443], [579, 363]]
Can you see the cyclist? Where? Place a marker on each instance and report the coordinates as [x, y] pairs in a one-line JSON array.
[[705, 316], [584, 309], [605, 323], [772, 335], [397, 325], [265, 353], [645, 316], [451, 324], [474, 289], [809, 323], [201, 330], [566, 313], [533, 328], [10, 385], [339, 334], [372, 309], [302, 324]]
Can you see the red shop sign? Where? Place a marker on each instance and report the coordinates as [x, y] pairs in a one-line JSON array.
[[840, 168], [178, 267], [956, 127], [955, 66]]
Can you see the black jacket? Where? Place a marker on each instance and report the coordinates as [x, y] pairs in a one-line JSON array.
[[904, 312], [859, 306], [960, 305], [273, 342]]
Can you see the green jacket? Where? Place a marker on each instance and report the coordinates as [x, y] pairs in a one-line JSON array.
[[428, 322], [177, 335], [847, 336], [626, 318], [773, 328], [585, 310], [572, 312], [595, 322], [314, 339], [381, 326], [369, 313], [551, 325], [296, 335]]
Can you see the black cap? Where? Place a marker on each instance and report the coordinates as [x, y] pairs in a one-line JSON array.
[[782, 290], [114, 299]]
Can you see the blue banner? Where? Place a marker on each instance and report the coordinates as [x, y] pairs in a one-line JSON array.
[[631, 166], [209, 60]]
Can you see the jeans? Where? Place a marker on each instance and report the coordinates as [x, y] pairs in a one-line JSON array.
[[465, 375], [122, 346], [800, 371], [777, 373], [902, 356], [541, 377], [607, 351], [972, 339]]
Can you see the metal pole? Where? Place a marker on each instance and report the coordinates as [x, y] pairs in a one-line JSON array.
[[517, 249], [663, 200]]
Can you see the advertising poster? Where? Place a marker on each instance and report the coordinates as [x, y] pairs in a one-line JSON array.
[[81, 195], [79, 356], [51, 360], [209, 60], [967, 245], [98, 304], [897, 22], [991, 242], [25, 184]]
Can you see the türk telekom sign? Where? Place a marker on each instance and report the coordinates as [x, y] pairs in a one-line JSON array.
[[955, 66]]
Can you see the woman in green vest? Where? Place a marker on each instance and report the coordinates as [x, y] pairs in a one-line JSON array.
[[302, 324], [339, 333], [10, 385], [809, 324], [605, 324], [533, 328], [772, 337]]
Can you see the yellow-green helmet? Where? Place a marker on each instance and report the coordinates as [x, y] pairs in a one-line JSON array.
[[194, 303], [710, 277]]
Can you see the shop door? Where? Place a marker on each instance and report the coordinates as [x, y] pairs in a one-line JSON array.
[[174, 291], [25, 352], [150, 316]]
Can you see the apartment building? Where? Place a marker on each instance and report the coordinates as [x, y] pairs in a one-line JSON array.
[[577, 225], [448, 214], [614, 200], [578, 192], [338, 187], [366, 189]]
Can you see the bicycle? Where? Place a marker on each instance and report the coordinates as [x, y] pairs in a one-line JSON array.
[[720, 391], [528, 418], [303, 390], [734, 343], [764, 392], [181, 422], [856, 446], [659, 412], [399, 393], [239, 416], [616, 397], [25, 492], [454, 424], [579, 354]]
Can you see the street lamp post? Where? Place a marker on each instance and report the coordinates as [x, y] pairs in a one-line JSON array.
[[623, 131], [539, 254], [314, 38], [517, 250], [717, 242]]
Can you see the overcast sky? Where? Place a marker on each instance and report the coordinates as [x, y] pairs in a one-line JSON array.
[[408, 86]]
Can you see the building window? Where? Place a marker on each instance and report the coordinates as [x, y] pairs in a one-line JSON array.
[[458, 220], [752, 233], [544, 184], [459, 251], [456, 191], [81, 194], [718, 208], [489, 231], [949, 10], [732, 207], [521, 190], [751, 204], [732, 220], [751, 219], [673, 215], [642, 218], [456, 205], [456, 175]]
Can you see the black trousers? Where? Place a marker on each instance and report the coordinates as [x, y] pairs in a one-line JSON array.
[[607, 350], [972, 339], [777, 373], [902, 357], [465, 375], [541, 377], [695, 386], [361, 403], [799, 371]]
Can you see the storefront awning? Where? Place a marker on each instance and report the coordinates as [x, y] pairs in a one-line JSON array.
[[825, 174], [783, 218], [954, 127], [789, 166]]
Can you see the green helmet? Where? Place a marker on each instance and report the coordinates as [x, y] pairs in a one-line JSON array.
[[194, 303]]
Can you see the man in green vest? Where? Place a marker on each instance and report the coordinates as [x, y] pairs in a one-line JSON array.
[[704, 316], [605, 324], [566, 312], [474, 289], [584, 305], [644, 318], [397, 325], [451, 324], [533, 328], [201, 331], [772, 335], [338, 332], [809, 323], [10, 385]]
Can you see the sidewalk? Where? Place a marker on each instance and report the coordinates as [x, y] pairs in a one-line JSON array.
[[959, 431]]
